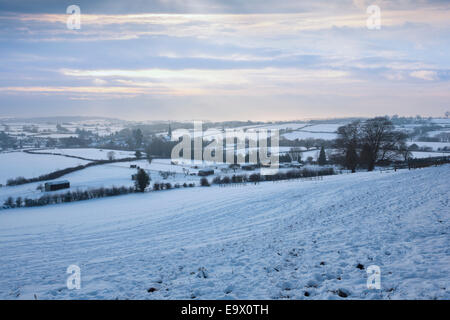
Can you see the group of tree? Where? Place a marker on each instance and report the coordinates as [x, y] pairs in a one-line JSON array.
[[69, 196], [159, 147], [366, 143], [6, 141], [281, 175]]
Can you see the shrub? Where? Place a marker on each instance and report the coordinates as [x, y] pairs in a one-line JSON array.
[[204, 182], [9, 203], [217, 180], [142, 180], [16, 181], [255, 177], [70, 196]]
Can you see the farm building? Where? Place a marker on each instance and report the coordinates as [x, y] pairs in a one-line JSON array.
[[57, 185], [205, 172], [248, 167]]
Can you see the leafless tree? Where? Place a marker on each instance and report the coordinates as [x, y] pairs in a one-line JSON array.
[[295, 154], [380, 141], [405, 151], [369, 142], [348, 141]]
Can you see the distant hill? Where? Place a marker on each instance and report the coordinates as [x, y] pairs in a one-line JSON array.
[[57, 119]]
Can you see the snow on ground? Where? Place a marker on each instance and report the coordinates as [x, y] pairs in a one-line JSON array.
[[57, 135], [443, 121], [21, 164], [312, 153], [90, 153], [265, 241], [305, 135], [98, 126], [437, 132], [434, 145], [424, 154], [285, 126], [325, 127], [106, 175]]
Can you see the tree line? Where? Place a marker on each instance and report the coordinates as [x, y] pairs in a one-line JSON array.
[[370, 142]]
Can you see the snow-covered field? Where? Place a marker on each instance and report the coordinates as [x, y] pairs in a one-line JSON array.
[[107, 175], [438, 132], [325, 131], [424, 154], [98, 126], [325, 127], [265, 241], [434, 145], [90, 153], [21, 164], [442, 121], [306, 135]]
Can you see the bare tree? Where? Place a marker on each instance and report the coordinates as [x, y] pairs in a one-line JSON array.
[[295, 154], [348, 141], [369, 142], [405, 151], [380, 141], [309, 143]]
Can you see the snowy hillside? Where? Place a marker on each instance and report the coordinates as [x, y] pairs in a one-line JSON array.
[[16, 164], [286, 240], [90, 153]]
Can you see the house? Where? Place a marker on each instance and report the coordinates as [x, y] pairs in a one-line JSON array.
[[57, 185], [205, 172], [248, 167]]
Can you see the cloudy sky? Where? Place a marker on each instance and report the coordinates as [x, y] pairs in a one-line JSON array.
[[224, 59]]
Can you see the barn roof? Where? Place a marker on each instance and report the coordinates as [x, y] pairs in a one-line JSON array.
[[51, 183]]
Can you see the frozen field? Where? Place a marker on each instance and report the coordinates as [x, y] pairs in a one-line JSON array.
[[266, 241], [16, 164]]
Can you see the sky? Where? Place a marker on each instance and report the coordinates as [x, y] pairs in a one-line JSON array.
[[224, 59]]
